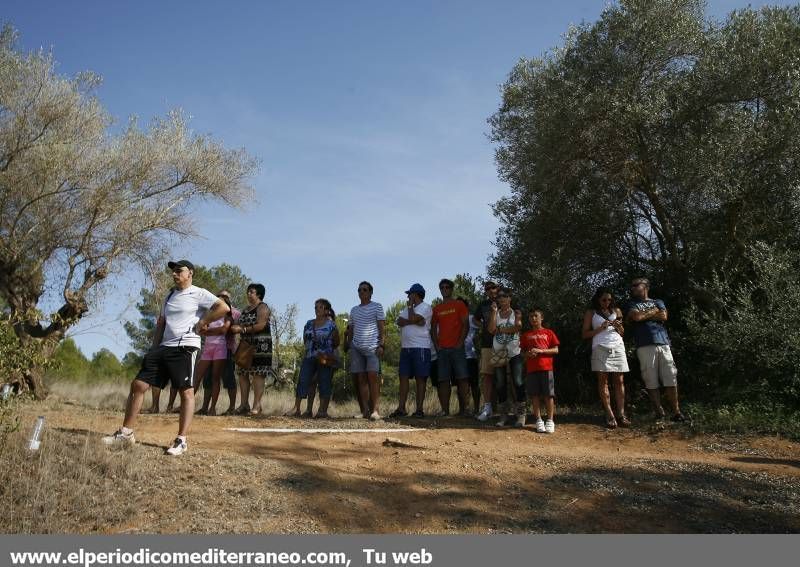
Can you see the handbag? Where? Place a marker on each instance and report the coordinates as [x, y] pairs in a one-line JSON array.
[[244, 355], [330, 359], [499, 357]]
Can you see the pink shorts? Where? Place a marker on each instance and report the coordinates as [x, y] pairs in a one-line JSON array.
[[215, 351]]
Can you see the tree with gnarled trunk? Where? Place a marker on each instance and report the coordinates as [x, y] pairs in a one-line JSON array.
[[78, 204]]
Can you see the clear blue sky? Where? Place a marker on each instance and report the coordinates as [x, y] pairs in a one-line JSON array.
[[369, 119]]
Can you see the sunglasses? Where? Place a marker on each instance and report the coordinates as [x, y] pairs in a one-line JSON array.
[[363, 289]]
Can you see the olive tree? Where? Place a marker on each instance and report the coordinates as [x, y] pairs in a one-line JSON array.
[[79, 202], [654, 142]]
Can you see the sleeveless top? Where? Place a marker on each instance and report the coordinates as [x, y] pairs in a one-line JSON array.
[[262, 341], [609, 338], [509, 341]]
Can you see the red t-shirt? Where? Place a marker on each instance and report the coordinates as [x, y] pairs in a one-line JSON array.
[[543, 338], [449, 317]]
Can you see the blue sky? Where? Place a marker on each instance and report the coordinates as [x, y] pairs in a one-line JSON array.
[[369, 119]]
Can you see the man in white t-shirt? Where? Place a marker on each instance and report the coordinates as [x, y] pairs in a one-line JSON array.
[[415, 348], [185, 316]]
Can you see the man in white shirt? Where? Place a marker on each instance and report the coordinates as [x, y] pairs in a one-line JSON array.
[[415, 349], [185, 316]]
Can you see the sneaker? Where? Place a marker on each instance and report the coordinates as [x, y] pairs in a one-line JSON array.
[[520, 422], [485, 414], [549, 426], [503, 420], [178, 447], [398, 413], [119, 438], [375, 416], [419, 413], [540, 426]]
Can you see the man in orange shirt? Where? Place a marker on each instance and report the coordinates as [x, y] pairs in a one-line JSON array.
[[449, 328]]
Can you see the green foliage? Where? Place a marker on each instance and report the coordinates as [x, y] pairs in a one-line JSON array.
[[69, 362], [657, 143], [15, 356], [749, 417], [748, 346]]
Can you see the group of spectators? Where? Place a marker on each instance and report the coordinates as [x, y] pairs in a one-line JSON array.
[[507, 368]]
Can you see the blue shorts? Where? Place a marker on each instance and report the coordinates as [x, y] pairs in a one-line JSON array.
[[308, 370], [452, 365], [415, 362]]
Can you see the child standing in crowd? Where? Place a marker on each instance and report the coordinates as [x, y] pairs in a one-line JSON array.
[[539, 345]]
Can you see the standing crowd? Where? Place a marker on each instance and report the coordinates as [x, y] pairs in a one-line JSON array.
[[507, 369]]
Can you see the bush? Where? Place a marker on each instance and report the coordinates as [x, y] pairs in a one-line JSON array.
[[747, 348]]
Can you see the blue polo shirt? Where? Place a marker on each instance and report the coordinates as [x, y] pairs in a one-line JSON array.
[[647, 332]]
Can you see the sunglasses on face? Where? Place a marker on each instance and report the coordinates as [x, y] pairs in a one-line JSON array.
[[363, 289]]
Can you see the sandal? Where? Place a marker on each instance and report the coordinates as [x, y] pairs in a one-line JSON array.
[[611, 422], [321, 415], [242, 410], [624, 421]]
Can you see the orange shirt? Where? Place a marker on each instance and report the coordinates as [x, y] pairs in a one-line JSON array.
[[448, 319]]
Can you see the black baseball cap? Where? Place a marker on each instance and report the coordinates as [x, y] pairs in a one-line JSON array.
[[180, 264]]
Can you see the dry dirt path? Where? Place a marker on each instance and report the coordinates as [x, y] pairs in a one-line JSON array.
[[457, 476]]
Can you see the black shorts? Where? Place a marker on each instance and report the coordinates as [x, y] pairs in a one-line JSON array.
[[169, 365], [540, 383]]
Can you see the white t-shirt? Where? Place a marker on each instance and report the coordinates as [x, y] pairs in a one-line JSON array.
[[182, 311], [417, 336]]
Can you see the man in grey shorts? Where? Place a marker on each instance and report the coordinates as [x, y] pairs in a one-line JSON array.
[[648, 316], [364, 339]]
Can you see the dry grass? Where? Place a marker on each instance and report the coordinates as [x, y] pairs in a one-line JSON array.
[[67, 483], [112, 396]]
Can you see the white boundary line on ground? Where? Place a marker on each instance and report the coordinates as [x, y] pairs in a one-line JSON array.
[[315, 430]]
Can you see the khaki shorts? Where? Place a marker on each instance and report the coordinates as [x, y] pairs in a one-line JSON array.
[[658, 367], [486, 362]]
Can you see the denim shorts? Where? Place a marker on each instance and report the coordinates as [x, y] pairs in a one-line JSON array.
[[452, 364], [364, 360], [415, 362]]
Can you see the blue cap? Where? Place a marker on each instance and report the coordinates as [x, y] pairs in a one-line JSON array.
[[416, 288]]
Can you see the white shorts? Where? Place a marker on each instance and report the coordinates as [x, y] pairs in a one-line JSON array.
[[609, 359], [658, 367]]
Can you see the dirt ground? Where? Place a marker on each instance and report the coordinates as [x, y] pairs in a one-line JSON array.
[[455, 476]]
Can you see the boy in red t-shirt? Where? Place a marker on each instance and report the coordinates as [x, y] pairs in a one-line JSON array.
[[539, 345]]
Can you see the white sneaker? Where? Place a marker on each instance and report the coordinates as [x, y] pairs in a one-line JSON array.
[[375, 416], [540, 426], [503, 420], [179, 447], [119, 438], [520, 422], [550, 426], [485, 414]]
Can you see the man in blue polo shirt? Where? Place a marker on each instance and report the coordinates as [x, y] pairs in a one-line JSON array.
[[648, 316]]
